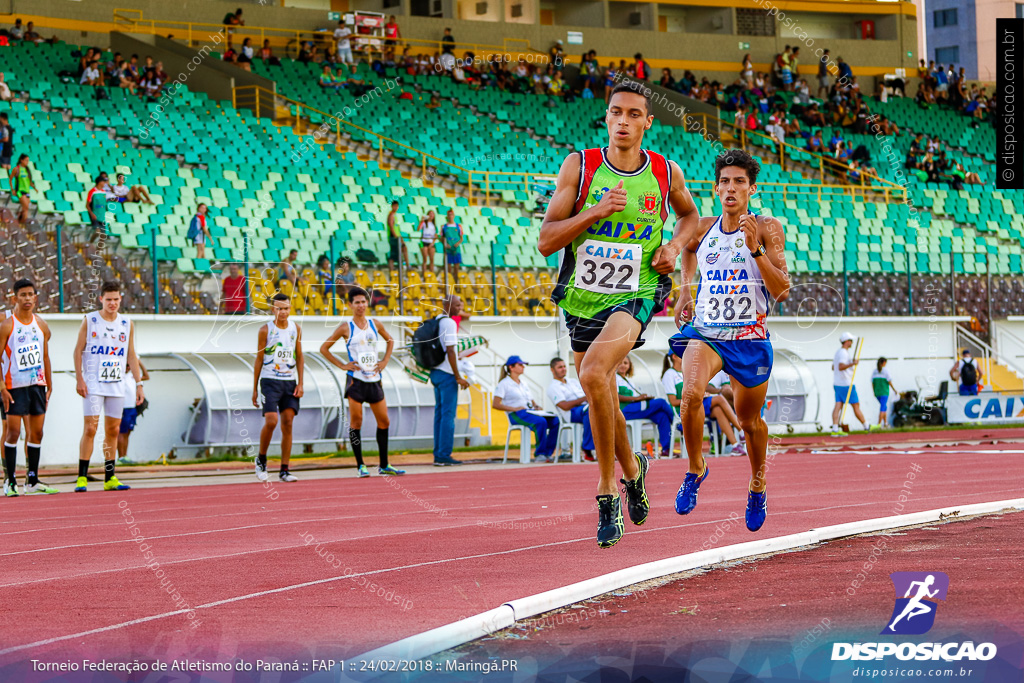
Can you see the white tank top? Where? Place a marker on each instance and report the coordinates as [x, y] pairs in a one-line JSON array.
[[362, 348], [23, 357], [3, 356], [279, 354], [732, 302], [429, 235], [105, 355]]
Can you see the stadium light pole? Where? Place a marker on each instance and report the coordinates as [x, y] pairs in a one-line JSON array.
[[60, 267], [156, 272], [334, 277]]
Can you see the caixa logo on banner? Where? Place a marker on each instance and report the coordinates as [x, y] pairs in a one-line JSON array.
[[916, 606]]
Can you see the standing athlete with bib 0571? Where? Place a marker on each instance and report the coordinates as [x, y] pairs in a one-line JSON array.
[[741, 259], [607, 213]]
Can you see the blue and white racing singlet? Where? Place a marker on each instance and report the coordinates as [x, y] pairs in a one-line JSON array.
[[732, 302], [362, 349]]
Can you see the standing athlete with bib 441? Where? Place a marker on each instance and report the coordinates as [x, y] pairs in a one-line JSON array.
[[741, 259], [104, 352], [607, 213]]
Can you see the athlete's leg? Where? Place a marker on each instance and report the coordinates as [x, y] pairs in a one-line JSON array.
[[729, 395], [33, 443], [287, 417], [111, 428], [700, 363], [11, 446], [85, 446], [860, 415], [355, 426], [380, 414], [596, 370], [726, 410], [749, 401], [122, 446], [270, 421], [355, 414], [723, 422], [835, 412]]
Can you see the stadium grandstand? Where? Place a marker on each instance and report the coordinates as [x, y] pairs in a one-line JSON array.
[[393, 180]]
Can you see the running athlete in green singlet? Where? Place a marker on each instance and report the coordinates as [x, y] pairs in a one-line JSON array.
[[607, 214]]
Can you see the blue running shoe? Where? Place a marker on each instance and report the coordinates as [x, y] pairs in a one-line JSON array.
[[757, 509], [686, 499]]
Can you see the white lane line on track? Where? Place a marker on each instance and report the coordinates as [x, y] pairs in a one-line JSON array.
[[928, 451]]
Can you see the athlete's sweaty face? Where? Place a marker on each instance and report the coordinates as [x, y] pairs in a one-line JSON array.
[[627, 119], [281, 311], [111, 302], [26, 298], [358, 305], [734, 189]]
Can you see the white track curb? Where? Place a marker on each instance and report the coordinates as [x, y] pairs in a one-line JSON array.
[[452, 635]]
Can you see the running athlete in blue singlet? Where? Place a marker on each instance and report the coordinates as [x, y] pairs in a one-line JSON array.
[[741, 260]]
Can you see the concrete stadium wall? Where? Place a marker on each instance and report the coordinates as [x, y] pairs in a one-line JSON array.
[[916, 347]]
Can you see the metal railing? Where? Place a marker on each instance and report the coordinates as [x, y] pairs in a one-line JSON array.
[[481, 185], [129, 20]]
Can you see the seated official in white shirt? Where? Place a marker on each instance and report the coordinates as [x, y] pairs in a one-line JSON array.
[[567, 394]]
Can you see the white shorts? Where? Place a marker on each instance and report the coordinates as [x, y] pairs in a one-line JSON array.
[[111, 406]]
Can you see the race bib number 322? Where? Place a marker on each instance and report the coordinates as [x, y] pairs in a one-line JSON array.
[[608, 267]]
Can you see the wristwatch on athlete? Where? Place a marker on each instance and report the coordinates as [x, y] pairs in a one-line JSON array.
[[760, 251]]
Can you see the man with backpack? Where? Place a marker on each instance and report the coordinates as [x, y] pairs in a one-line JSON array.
[[434, 347], [967, 374]]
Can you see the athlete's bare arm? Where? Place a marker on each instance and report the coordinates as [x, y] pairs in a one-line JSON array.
[[140, 393], [383, 362], [767, 231], [560, 228], [81, 386], [340, 332], [5, 333], [684, 304], [300, 364], [687, 222], [258, 366], [47, 374]]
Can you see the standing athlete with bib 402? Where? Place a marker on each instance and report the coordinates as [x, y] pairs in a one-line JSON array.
[[364, 383], [607, 213], [104, 352], [24, 340], [741, 259]]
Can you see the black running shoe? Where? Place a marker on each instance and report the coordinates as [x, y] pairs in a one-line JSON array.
[[609, 520], [636, 492]]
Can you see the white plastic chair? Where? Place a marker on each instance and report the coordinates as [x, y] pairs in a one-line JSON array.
[[715, 434], [636, 432], [524, 442], [575, 435]]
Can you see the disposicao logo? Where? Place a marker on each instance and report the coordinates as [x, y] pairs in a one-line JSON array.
[[914, 612], [917, 596]]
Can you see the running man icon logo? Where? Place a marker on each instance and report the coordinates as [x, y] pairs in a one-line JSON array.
[[917, 594]]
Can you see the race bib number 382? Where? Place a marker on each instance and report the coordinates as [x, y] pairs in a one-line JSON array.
[[608, 267]]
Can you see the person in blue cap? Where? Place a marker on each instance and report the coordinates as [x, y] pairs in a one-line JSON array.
[[513, 396]]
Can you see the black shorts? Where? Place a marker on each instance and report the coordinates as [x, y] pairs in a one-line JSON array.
[[28, 400], [583, 331], [278, 395], [364, 392]]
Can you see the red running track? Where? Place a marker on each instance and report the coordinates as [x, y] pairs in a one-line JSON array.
[[80, 586]]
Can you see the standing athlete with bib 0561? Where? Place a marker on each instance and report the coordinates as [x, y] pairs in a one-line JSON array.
[[741, 259], [607, 213]]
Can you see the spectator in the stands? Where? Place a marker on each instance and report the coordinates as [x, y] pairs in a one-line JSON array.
[[198, 233], [246, 53], [823, 82], [96, 205], [343, 38], [267, 54], [233, 291], [815, 143], [428, 237], [30, 34], [452, 237], [556, 55], [747, 71], [344, 278], [230, 56], [5, 91], [91, 75], [447, 42], [814, 116], [305, 52], [287, 270], [132, 69], [17, 31], [392, 34], [641, 69], [354, 83], [325, 279], [130, 193], [777, 124], [941, 83], [327, 79], [232, 19], [845, 72], [149, 86], [803, 92], [667, 81]]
